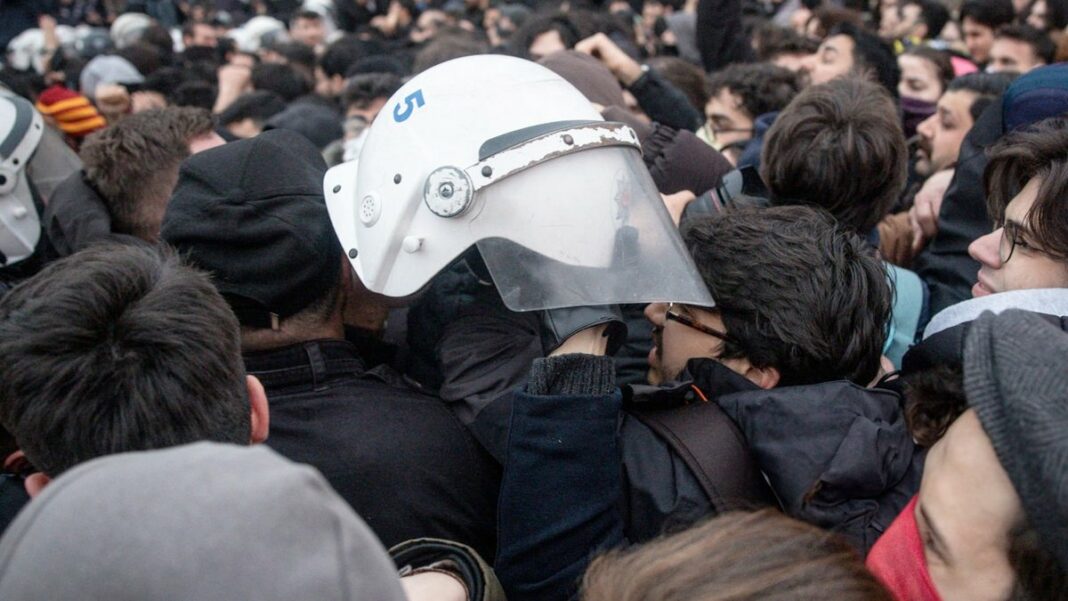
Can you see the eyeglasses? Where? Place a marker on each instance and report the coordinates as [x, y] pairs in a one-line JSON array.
[[1012, 235], [714, 132], [674, 315]]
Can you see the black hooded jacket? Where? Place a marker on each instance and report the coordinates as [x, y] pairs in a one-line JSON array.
[[836, 454]]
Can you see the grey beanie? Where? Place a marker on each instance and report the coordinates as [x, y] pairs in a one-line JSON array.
[[204, 521], [107, 69], [1016, 380]]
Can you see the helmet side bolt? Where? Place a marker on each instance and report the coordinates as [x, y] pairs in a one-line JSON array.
[[446, 190], [397, 179], [353, 253], [568, 139], [412, 244], [337, 189], [487, 171]]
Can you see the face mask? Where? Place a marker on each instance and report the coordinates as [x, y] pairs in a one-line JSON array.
[[897, 559], [915, 111]]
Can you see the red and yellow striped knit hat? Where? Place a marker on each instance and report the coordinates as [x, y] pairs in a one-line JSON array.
[[71, 112]]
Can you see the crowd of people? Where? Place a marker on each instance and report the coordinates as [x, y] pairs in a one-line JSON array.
[[646, 300]]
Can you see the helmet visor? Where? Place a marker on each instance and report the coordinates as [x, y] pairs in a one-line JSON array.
[[586, 229]]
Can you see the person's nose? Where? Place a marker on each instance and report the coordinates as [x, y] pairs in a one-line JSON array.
[[656, 313], [985, 249]]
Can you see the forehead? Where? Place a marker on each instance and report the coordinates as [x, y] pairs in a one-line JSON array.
[[725, 102], [841, 42], [1020, 205], [916, 66], [971, 25], [957, 102], [1011, 47]]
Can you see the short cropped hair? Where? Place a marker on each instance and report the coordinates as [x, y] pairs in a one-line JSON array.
[[362, 90], [1038, 40], [115, 349], [840, 146], [872, 56], [284, 80], [1040, 151], [259, 106], [795, 292], [933, 14], [988, 87], [134, 162], [762, 87], [991, 13]]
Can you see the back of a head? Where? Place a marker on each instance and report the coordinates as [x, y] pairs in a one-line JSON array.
[[118, 348], [362, 90], [794, 291], [839, 146], [281, 79], [252, 213], [203, 521], [447, 46], [259, 106], [587, 74], [761, 556], [134, 164], [343, 53]]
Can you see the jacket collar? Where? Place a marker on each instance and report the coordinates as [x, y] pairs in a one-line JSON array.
[[314, 362]]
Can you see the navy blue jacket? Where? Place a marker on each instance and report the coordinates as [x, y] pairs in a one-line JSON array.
[[836, 454]]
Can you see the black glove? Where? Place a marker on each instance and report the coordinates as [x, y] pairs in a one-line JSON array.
[[557, 325]]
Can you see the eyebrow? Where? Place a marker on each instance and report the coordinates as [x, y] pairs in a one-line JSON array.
[[938, 542]]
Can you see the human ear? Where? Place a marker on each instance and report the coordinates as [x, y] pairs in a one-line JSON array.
[[260, 415], [766, 377], [35, 483]]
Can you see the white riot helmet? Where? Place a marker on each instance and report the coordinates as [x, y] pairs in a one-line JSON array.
[[503, 154], [21, 128]]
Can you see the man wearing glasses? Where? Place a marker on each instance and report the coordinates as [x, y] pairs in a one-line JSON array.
[[1027, 192], [780, 367], [740, 94]]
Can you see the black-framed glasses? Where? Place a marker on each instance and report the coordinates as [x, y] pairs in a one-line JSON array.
[[674, 315], [1012, 235], [714, 132]]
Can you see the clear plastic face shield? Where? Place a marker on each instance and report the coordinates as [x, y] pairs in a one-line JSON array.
[[598, 235], [564, 215], [21, 128]]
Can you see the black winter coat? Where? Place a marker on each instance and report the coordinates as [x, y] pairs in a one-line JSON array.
[[401, 459]]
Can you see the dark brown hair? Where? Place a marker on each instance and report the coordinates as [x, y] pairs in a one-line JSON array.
[[761, 87], [934, 399], [134, 164], [736, 556], [690, 79], [840, 146], [795, 292], [115, 349], [1040, 151]]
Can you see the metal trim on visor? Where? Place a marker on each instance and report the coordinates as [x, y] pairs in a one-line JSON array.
[[449, 191]]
